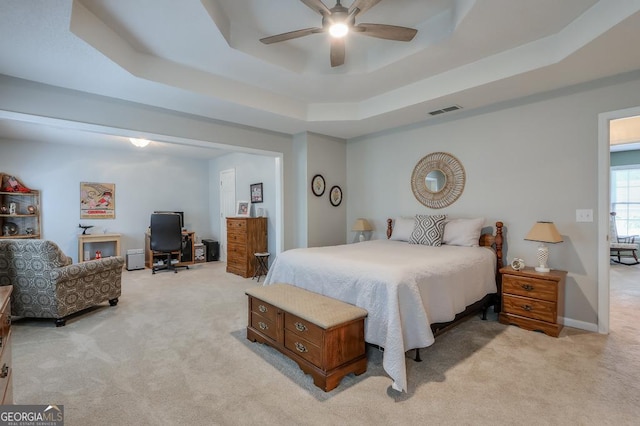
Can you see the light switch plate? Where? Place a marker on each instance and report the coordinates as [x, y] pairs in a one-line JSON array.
[[584, 215]]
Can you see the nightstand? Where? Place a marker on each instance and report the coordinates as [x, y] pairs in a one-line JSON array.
[[533, 300]]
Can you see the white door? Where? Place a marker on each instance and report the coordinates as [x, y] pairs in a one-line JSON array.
[[227, 206]]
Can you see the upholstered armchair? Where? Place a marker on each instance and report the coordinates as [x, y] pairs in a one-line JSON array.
[[46, 283]]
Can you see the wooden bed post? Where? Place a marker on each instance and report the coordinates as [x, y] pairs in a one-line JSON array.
[[499, 226], [389, 228]]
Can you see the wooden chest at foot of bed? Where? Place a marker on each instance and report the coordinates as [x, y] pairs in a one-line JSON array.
[[324, 336]]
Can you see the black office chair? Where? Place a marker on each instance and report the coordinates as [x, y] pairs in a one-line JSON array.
[[165, 239]]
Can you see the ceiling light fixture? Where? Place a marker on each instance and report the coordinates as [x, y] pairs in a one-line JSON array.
[[338, 30], [140, 143]]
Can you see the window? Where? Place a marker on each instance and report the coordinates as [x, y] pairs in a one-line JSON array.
[[625, 199]]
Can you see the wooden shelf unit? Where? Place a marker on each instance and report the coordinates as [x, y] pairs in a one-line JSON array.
[[108, 244], [23, 220]]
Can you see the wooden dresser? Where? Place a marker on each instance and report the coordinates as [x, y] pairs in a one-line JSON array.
[[6, 369], [245, 236], [324, 336], [533, 300]]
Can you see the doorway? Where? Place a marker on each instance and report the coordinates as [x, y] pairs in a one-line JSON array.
[[604, 203]]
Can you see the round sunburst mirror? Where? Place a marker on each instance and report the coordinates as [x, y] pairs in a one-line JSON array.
[[438, 180]]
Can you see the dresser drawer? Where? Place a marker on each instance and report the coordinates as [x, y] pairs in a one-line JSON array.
[[303, 328], [263, 325], [236, 249], [238, 226], [5, 369], [530, 287], [303, 348], [530, 308], [237, 237], [264, 309]]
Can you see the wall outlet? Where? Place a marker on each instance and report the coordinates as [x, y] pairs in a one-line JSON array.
[[584, 215]]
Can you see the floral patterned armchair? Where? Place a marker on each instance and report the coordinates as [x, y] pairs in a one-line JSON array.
[[47, 285]]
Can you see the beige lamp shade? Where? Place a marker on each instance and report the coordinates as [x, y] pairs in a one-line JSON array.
[[361, 225], [544, 232]]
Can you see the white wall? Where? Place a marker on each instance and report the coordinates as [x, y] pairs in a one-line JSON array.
[[249, 169], [144, 183], [531, 160]]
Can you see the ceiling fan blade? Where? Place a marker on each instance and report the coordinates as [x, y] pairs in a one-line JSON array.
[[291, 35], [337, 52], [362, 5], [317, 6], [387, 32]]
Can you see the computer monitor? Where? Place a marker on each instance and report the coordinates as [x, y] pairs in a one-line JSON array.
[[181, 214]]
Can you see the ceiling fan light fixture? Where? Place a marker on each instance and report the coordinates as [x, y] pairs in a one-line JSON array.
[[339, 29], [140, 143]]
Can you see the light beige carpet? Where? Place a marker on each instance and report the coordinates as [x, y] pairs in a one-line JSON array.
[[174, 352]]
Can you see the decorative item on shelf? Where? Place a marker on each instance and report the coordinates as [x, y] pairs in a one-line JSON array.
[[9, 229], [31, 209], [4, 209], [29, 231], [543, 232], [517, 263], [12, 184], [84, 228], [243, 209], [317, 185], [361, 227], [12, 208], [98, 254], [256, 192], [335, 195]]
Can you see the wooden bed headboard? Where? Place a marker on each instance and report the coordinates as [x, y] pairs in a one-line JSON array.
[[486, 240]]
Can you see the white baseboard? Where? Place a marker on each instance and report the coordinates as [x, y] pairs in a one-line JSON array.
[[581, 325]]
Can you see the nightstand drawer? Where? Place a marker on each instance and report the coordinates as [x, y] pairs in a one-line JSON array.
[[264, 309], [530, 308], [263, 325], [530, 287]]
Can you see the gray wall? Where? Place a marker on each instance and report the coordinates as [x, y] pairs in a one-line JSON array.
[[525, 161]]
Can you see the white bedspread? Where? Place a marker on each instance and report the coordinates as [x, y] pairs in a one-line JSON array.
[[404, 287]]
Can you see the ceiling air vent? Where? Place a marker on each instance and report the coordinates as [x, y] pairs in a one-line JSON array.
[[443, 110]]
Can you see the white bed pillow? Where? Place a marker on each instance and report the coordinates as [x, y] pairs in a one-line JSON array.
[[463, 232], [402, 228], [428, 230]]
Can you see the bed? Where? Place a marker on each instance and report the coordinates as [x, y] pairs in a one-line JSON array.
[[412, 292]]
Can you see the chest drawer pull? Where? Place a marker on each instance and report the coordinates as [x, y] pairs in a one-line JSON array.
[[527, 307], [263, 326], [5, 371], [0, 341], [300, 347], [300, 326], [528, 287], [262, 308]]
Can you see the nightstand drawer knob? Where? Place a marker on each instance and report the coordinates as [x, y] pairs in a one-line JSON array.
[[262, 308], [300, 347], [527, 287], [5, 371], [300, 326], [527, 307], [263, 326]]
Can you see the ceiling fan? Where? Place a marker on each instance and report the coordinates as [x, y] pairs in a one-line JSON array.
[[338, 21]]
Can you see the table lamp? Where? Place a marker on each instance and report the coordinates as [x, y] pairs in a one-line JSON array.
[[360, 227], [543, 232]]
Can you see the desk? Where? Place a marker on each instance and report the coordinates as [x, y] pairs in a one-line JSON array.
[[108, 244], [185, 257]]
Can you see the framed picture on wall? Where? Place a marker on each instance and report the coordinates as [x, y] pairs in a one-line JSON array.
[[256, 192], [97, 200], [243, 209]]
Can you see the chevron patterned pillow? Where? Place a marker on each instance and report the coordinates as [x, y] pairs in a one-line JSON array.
[[428, 230]]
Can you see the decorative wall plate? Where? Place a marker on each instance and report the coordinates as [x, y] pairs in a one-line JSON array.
[[438, 180], [317, 185], [335, 196]]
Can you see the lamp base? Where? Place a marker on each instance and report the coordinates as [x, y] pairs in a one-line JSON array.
[[542, 269]]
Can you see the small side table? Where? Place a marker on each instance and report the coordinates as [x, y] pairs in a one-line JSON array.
[[262, 260], [533, 300]]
